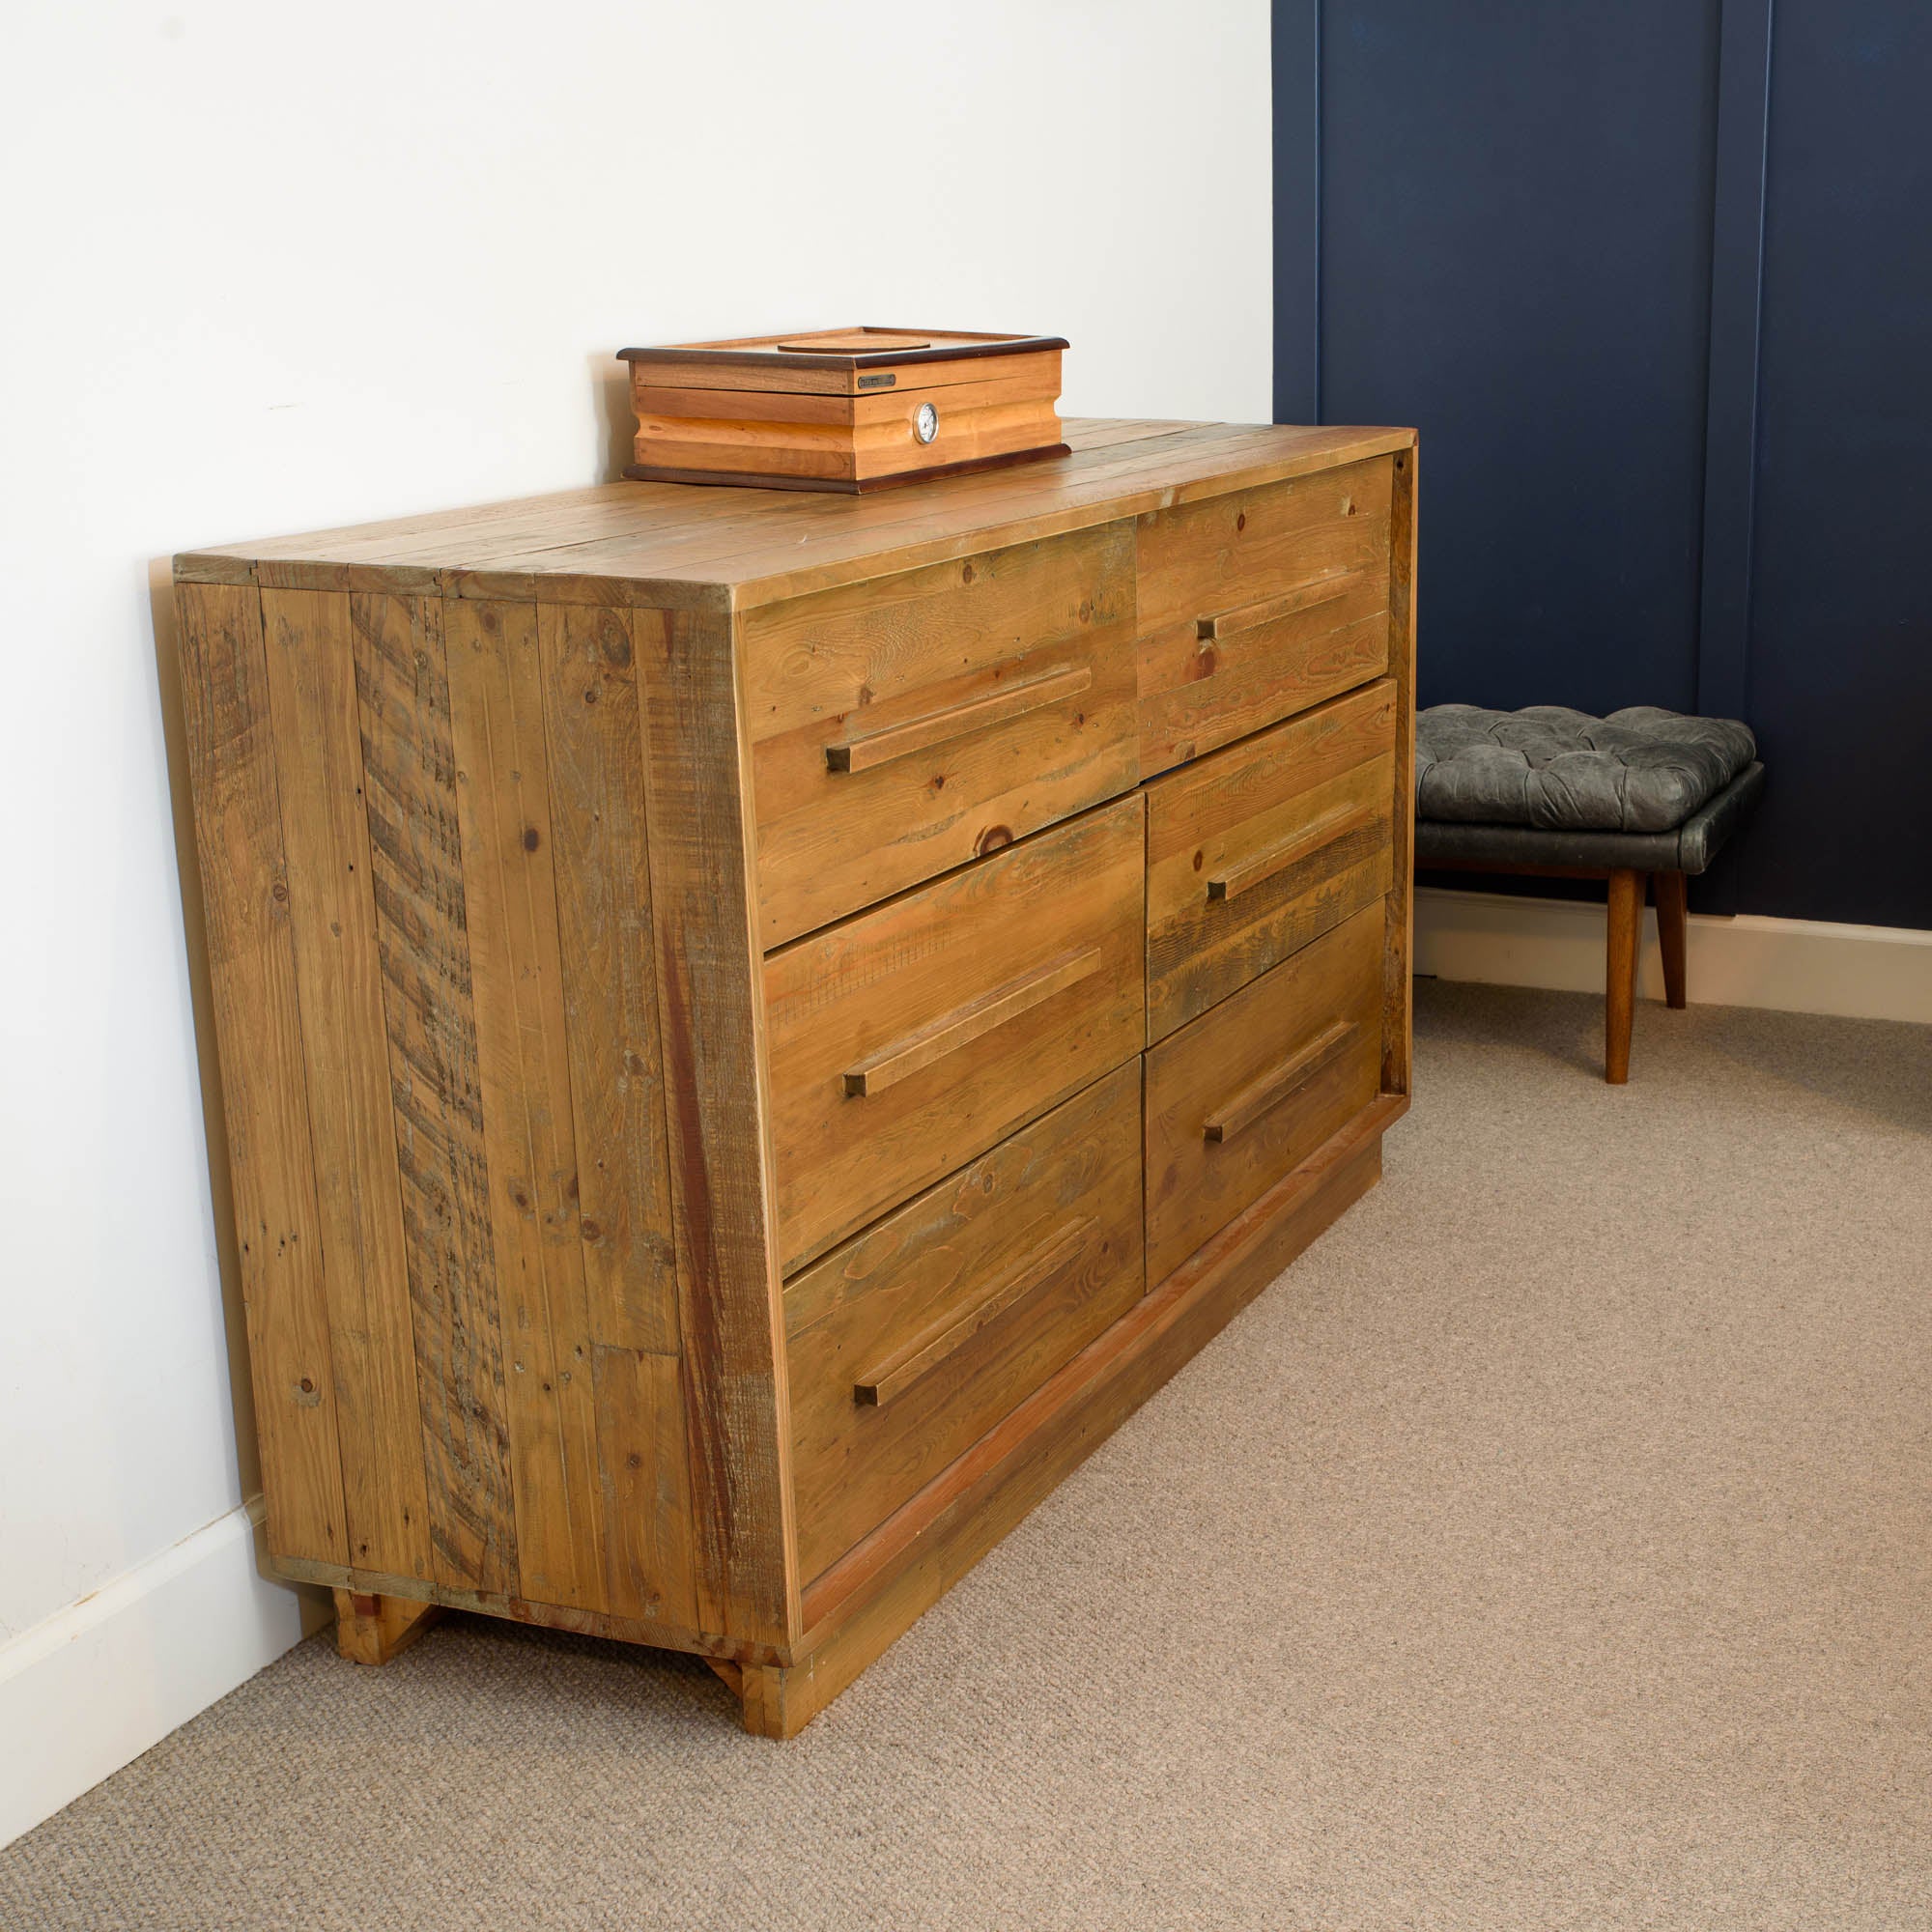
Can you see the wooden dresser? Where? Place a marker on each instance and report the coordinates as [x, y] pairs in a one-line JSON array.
[[756, 1028]]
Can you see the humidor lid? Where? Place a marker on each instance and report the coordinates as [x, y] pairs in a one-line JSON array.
[[866, 346], [843, 361]]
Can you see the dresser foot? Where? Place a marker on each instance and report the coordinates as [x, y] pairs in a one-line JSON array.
[[372, 1629], [775, 1702]]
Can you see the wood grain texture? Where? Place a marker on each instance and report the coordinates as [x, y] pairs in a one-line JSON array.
[[1234, 879], [953, 1032], [860, 1607], [914, 1364], [642, 542], [861, 749], [868, 1600], [502, 794], [1243, 548], [1069, 1182], [740, 448], [252, 975], [1257, 604], [900, 531], [1398, 944], [595, 747], [374, 1628], [673, 544], [944, 655], [1014, 379], [1230, 1066], [422, 933], [858, 989], [594, 742], [1197, 696], [722, 1204], [745, 885], [698, 1641], [1318, 788], [648, 1535], [311, 665], [1283, 1081]]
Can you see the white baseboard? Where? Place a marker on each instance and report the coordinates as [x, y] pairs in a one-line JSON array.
[[1793, 965], [97, 1684]]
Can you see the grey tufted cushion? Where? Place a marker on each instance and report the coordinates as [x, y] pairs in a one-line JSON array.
[[1558, 770]]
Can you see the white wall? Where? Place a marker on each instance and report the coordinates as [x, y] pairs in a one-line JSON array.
[[273, 268]]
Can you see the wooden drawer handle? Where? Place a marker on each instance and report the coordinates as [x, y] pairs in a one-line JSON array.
[[1323, 589], [918, 1359], [864, 750], [1279, 1082], [1324, 831], [966, 1024]]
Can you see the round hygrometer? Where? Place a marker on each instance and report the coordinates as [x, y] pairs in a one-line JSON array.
[[925, 424]]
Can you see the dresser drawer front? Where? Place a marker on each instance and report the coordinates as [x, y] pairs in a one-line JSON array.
[[903, 726], [1253, 1087], [1260, 848], [1259, 604], [905, 1042], [906, 1345]]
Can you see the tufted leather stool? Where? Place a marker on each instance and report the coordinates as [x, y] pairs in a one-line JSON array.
[[1641, 795]]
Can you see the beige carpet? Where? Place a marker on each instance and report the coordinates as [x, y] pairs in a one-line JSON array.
[[1553, 1549]]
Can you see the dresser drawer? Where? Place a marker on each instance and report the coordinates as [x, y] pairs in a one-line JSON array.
[[1253, 1087], [1256, 850], [1259, 604], [905, 1042], [902, 726], [906, 1345]]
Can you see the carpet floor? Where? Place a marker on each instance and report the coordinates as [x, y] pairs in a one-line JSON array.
[[1549, 1549]]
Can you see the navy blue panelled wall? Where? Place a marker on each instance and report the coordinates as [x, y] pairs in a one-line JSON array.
[[1653, 280]]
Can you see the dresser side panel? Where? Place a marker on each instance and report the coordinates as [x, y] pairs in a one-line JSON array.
[[717, 1112], [311, 664], [594, 742], [423, 938], [503, 805], [1398, 985], [265, 1104]]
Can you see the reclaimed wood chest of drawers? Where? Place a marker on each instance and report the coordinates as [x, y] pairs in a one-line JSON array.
[[755, 1029]]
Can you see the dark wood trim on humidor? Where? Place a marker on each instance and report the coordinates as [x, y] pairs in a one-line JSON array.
[[876, 359], [649, 473]]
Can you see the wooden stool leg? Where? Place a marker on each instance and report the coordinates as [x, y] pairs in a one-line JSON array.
[[1626, 925], [1674, 913], [372, 1629]]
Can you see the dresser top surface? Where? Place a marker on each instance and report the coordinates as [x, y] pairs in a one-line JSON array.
[[684, 545]]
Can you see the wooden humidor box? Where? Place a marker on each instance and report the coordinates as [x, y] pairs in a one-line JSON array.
[[755, 1028], [845, 410]]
